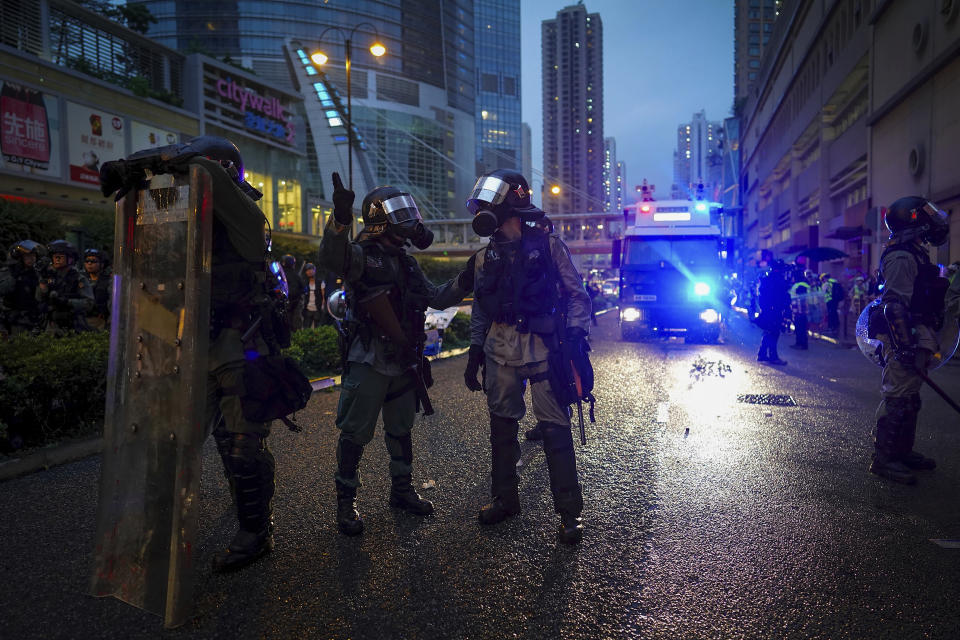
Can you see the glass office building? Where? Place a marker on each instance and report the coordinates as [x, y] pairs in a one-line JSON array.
[[496, 25], [413, 107]]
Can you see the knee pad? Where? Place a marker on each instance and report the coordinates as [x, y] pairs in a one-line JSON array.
[[503, 430]]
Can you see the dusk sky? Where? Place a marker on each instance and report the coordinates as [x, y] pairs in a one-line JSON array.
[[663, 60]]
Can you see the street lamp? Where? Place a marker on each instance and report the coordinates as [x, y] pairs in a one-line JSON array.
[[320, 58], [555, 189]]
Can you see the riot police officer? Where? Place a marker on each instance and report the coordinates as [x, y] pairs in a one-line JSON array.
[[799, 301], [240, 329], [384, 369], [774, 300], [521, 276], [19, 280], [97, 280], [912, 304], [62, 291]]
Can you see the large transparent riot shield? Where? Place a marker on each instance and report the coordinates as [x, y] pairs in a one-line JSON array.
[[156, 394]]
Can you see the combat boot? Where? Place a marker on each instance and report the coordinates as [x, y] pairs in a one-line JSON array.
[[569, 504], [562, 466], [404, 496], [504, 481], [347, 478], [348, 518], [251, 468], [245, 548], [885, 456], [501, 508], [907, 435]]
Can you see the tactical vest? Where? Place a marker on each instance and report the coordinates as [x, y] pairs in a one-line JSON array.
[[929, 289], [517, 281], [395, 271]]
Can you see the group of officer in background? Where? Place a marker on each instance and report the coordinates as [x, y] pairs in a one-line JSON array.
[[47, 289]]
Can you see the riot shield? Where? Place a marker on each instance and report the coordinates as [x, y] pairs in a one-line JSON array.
[[156, 394], [948, 338]]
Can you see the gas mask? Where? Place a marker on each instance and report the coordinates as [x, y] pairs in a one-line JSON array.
[[405, 221], [498, 196], [485, 202]]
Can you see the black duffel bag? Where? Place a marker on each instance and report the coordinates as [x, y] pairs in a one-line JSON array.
[[275, 388]]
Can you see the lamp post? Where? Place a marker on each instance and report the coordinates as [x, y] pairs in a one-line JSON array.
[[377, 50]]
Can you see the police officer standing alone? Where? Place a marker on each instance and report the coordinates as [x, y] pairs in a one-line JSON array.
[[774, 306], [912, 304], [515, 323], [387, 298]]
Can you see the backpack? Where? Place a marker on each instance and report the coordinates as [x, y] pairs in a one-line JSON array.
[[275, 388]]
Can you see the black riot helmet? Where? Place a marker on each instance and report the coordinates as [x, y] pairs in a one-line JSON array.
[[387, 209], [64, 247], [96, 253], [498, 196], [227, 154], [288, 261], [912, 218], [25, 247]]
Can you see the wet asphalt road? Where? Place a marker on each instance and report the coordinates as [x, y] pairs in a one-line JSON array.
[[706, 518]]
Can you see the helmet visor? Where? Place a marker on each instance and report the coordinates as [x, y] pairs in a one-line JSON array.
[[490, 189], [401, 208]]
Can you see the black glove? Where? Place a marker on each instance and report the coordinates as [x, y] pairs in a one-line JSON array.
[[465, 281], [342, 202], [475, 359]]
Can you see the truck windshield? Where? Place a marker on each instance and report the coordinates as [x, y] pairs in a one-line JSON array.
[[687, 251]]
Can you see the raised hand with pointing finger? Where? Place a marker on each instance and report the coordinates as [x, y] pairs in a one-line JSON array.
[[342, 201]]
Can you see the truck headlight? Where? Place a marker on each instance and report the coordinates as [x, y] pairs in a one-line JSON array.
[[630, 314], [701, 289], [709, 316]]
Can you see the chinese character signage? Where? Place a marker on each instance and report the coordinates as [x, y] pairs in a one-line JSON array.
[[95, 136], [146, 136], [29, 131]]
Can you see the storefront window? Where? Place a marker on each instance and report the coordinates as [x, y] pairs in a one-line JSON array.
[[319, 217], [262, 183], [288, 202]]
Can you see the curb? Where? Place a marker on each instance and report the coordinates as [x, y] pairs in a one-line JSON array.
[[77, 450], [50, 457]]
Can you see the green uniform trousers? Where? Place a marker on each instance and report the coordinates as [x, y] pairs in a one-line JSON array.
[[364, 392]]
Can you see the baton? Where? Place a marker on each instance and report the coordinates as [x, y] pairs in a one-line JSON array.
[[940, 392], [579, 386]]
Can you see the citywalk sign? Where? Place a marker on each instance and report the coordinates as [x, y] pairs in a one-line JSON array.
[[262, 113]]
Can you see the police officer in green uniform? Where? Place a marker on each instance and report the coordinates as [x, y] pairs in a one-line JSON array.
[[19, 279], [384, 369], [62, 291], [912, 304], [521, 276]]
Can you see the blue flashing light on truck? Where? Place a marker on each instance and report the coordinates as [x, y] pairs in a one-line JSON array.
[[672, 271]]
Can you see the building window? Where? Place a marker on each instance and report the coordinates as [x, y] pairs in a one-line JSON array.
[[754, 64], [754, 27], [752, 75], [264, 184], [488, 82], [754, 51], [509, 86], [288, 203]]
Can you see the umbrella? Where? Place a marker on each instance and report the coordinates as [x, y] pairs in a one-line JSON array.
[[822, 254]]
